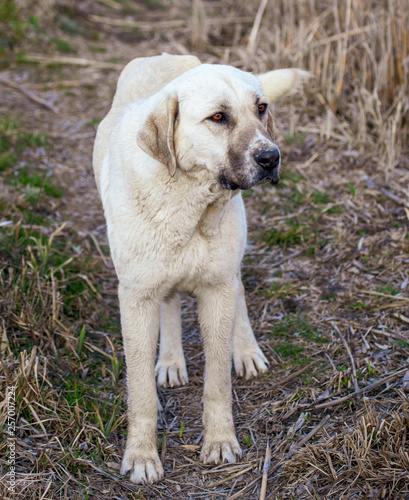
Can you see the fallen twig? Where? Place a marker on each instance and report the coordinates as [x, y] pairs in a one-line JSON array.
[[111, 4], [289, 377], [281, 261], [28, 93], [369, 387], [401, 317], [395, 297], [387, 193], [246, 488], [265, 472], [76, 61], [58, 84], [349, 354], [229, 478], [308, 436]]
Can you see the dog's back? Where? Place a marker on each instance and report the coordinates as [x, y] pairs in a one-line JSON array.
[[145, 76]]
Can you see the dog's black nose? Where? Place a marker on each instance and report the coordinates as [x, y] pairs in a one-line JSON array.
[[268, 158]]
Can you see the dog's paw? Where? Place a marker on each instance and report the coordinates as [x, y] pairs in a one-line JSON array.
[[171, 373], [220, 451], [143, 467], [249, 361]]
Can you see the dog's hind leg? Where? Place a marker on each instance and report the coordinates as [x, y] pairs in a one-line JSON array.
[[171, 366], [248, 359]]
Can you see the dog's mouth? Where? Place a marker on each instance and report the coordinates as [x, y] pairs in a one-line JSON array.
[[264, 177], [227, 184]]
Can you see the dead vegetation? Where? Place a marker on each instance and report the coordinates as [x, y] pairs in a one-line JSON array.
[[326, 270]]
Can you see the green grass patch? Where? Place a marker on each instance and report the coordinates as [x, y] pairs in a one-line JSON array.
[[154, 4], [97, 48], [401, 343], [292, 353], [25, 175], [320, 197], [74, 391], [289, 350], [68, 24], [357, 306], [288, 175], [287, 236], [31, 183], [388, 290], [63, 46], [298, 324], [12, 26], [351, 188], [297, 139], [7, 160], [13, 138], [292, 335]]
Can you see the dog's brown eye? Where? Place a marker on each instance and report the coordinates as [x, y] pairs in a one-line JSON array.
[[262, 108], [218, 117]]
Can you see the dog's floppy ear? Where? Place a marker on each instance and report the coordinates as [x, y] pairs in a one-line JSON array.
[[156, 136], [282, 81]]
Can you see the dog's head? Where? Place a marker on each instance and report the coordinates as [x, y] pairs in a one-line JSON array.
[[216, 118]]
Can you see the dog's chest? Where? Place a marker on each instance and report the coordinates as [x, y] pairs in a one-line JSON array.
[[165, 241]]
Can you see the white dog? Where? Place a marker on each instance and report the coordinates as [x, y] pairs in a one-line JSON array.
[[179, 143]]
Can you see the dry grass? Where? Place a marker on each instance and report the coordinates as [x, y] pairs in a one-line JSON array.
[[326, 271]]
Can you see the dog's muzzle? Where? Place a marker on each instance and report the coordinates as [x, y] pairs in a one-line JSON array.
[[269, 160]]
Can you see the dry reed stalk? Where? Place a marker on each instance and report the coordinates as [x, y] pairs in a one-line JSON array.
[[199, 26], [343, 56], [251, 45]]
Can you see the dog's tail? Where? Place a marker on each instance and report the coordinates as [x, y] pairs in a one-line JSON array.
[[282, 81]]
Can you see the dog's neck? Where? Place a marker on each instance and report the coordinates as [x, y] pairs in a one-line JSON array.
[[209, 224], [207, 202], [216, 198]]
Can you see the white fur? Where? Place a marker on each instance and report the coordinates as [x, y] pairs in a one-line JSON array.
[[174, 228]]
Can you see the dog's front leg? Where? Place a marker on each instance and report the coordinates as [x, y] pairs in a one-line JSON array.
[[217, 306], [140, 327]]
